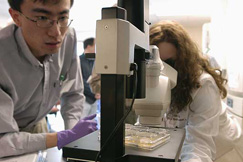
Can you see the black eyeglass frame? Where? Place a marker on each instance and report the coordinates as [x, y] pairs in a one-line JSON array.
[[50, 22]]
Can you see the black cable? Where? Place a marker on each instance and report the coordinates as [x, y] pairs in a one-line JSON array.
[[111, 136]]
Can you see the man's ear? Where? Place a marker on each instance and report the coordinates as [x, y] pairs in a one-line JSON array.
[[15, 16]]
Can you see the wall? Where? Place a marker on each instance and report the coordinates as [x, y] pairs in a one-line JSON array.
[[227, 34], [196, 34], [4, 15], [193, 25]]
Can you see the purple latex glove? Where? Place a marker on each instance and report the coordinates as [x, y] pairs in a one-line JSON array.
[[82, 128]]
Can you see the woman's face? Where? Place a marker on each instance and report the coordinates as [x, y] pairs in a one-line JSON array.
[[167, 53]]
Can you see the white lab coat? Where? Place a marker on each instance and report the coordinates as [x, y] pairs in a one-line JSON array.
[[207, 124]]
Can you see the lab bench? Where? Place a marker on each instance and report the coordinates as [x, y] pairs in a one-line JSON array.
[[88, 147], [49, 155]]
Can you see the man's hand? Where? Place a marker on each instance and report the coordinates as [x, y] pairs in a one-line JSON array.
[[82, 128]]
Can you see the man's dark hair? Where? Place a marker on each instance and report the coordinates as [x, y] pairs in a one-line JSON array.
[[15, 4], [88, 41]]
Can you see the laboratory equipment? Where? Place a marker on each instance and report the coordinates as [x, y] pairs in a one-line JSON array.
[[235, 92], [122, 41], [146, 138], [160, 79], [234, 101], [124, 44]]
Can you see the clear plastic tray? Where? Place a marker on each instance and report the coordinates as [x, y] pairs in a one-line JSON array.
[[145, 137]]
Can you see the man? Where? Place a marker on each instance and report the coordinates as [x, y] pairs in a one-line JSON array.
[[38, 65], [90, 104]]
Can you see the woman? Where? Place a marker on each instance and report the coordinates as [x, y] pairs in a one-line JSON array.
[[196, 100]]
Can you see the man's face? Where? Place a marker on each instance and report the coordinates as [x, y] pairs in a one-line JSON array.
[[92, 48], [42, 41]]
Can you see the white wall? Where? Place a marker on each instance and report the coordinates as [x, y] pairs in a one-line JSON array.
[[196, 34], [192, 14], [4, 15], [85, 13], [227, 35]]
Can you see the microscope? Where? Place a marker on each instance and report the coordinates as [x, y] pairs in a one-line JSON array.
[[160, 79], [122, 48]]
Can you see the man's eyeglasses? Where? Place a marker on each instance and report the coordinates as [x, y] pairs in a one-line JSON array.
[[44, 22]]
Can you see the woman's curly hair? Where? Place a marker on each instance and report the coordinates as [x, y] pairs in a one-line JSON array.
[[189, 63]]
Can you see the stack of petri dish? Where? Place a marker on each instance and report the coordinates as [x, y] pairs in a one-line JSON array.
[[147, 138]]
